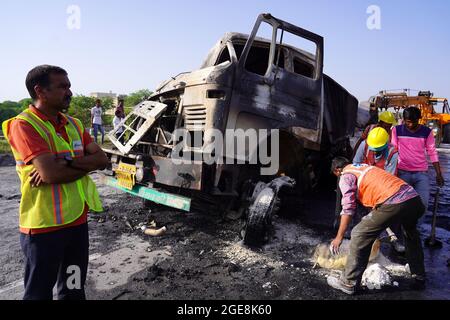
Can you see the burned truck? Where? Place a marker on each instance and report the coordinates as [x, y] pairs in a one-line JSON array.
[[247, 85]]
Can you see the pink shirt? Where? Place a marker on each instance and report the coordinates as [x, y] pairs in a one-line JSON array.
[[413, 148]]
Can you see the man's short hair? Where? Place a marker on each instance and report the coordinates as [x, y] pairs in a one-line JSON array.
[[339, 163], [412, 114], [40, 75], [98, 101]]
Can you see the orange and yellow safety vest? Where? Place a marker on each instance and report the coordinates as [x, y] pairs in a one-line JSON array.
[[375, 185], [56, 204]]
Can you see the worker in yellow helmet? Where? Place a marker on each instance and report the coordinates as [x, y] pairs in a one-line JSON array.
[[386, 120], [377, 151]]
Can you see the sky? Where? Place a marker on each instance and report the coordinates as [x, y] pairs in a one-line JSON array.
[[124, 46]]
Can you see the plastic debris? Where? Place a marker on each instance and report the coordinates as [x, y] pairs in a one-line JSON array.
[[325, 259], [376, 277], [155, 232]]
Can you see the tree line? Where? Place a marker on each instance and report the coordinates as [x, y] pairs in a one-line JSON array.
[[80, 106]]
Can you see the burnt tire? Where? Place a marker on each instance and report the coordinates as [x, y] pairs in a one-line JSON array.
[[259, 219]]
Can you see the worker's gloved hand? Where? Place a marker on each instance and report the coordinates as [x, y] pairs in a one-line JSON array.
[[440, 180], [334, 246]]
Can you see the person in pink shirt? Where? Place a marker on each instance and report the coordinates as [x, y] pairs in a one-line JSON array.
[[414, 142]]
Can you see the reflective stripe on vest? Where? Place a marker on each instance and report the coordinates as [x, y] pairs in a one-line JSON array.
[[17, 157], [375, 185], [359, 171], [57, 204], [42, 130], [77, 152], [77, 126]]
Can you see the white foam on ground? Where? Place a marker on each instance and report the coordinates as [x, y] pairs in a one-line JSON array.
[[244, 256], [375, 277], [393, 268], [379, 271]]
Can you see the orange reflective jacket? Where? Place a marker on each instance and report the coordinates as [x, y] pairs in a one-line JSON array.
[[375, 185]]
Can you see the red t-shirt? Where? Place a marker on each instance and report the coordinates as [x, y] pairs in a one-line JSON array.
[[29, 144]]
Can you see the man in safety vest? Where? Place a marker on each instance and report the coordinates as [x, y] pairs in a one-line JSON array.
[[391, 200], [54, 155], [377, 151]]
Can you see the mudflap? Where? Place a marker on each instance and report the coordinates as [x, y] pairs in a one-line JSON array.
[[265, 204]]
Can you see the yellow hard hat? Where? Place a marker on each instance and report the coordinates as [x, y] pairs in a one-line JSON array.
[[377, 138], [387, 117]]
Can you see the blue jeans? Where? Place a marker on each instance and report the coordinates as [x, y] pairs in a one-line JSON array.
[[98, 127], [420, 181]]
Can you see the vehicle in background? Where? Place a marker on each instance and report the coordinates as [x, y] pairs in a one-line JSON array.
[[429, 105]]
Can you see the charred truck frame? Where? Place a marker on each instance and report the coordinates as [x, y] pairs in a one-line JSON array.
[[246, 82]]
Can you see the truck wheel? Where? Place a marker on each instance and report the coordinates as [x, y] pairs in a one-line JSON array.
[[259, 218]]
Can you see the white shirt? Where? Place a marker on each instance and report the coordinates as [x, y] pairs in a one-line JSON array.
[[116, 123], [97, 112]]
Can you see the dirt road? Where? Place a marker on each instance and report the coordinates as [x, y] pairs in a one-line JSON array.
[[201, 255]]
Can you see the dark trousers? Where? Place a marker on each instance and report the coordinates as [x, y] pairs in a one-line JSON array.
[[366, 232], [57, 257]]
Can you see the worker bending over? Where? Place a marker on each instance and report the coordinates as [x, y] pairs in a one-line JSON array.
[[391, 200]]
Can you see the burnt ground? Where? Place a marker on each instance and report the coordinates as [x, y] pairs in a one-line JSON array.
[[204, 259], [201, 256]]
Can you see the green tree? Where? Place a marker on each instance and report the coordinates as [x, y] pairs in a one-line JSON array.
[[25, 103], [80, 107], [135, 98], [8, 109], [10, 105], [107, 103]]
